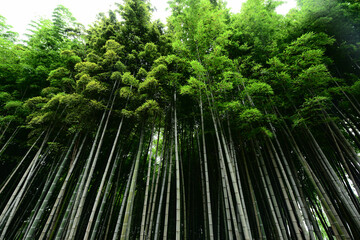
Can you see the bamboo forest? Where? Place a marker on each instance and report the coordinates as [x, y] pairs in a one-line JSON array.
[[212, 125]]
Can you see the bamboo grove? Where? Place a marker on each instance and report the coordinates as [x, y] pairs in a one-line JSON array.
[[215, 126]]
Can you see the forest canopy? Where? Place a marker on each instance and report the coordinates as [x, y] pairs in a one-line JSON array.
[[213, 125]]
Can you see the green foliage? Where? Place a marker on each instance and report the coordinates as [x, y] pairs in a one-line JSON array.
[[110, 58], [141, 74], [83, 82], [94, 88], [258, 30], [119, 66], [149, 85], [150, 53], [13, 105], [308, 41], [233, 106], [127, 114], [129, 79], [252, 115], [87, 67], [149, 108], [193, 86], [239, 79], [5, 96], [55, 147], [4, 120], [314, 78], [5, 31], [49, 91], [112, 45], [116, 76], [35, 103], [54, 102], [125, 92], [315, 104], [92, 57], [40, 121], [258, 89], [70, 58], [355, 89], [312, 111], [159, 70], [58, 73]]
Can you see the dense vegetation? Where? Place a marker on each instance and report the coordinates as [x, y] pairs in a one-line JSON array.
[[217, 126]]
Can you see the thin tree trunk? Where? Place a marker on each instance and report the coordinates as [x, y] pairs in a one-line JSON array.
[[123, 204], [9, 140], [19, 164], [273, 197], [285, 194], [203, 188], [290, 190], [184, 199], [337, 225], [166, 220], [227, 214], [40, 199], [107, 190], [253, 200], [153, 199], [45, 202], [83, 188], [9, 213], [156, 232], [273, 214], [115, 188], [349, 205], [97, 199], [232, 210], [295, 188], [207, 184], [344, 163], [247, 232], [59, 198], [69, 209], [142, 229], [83, 195], [126, 224], [177, 169]]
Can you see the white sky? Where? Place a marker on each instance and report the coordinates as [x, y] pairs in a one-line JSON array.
[[19, 13]]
